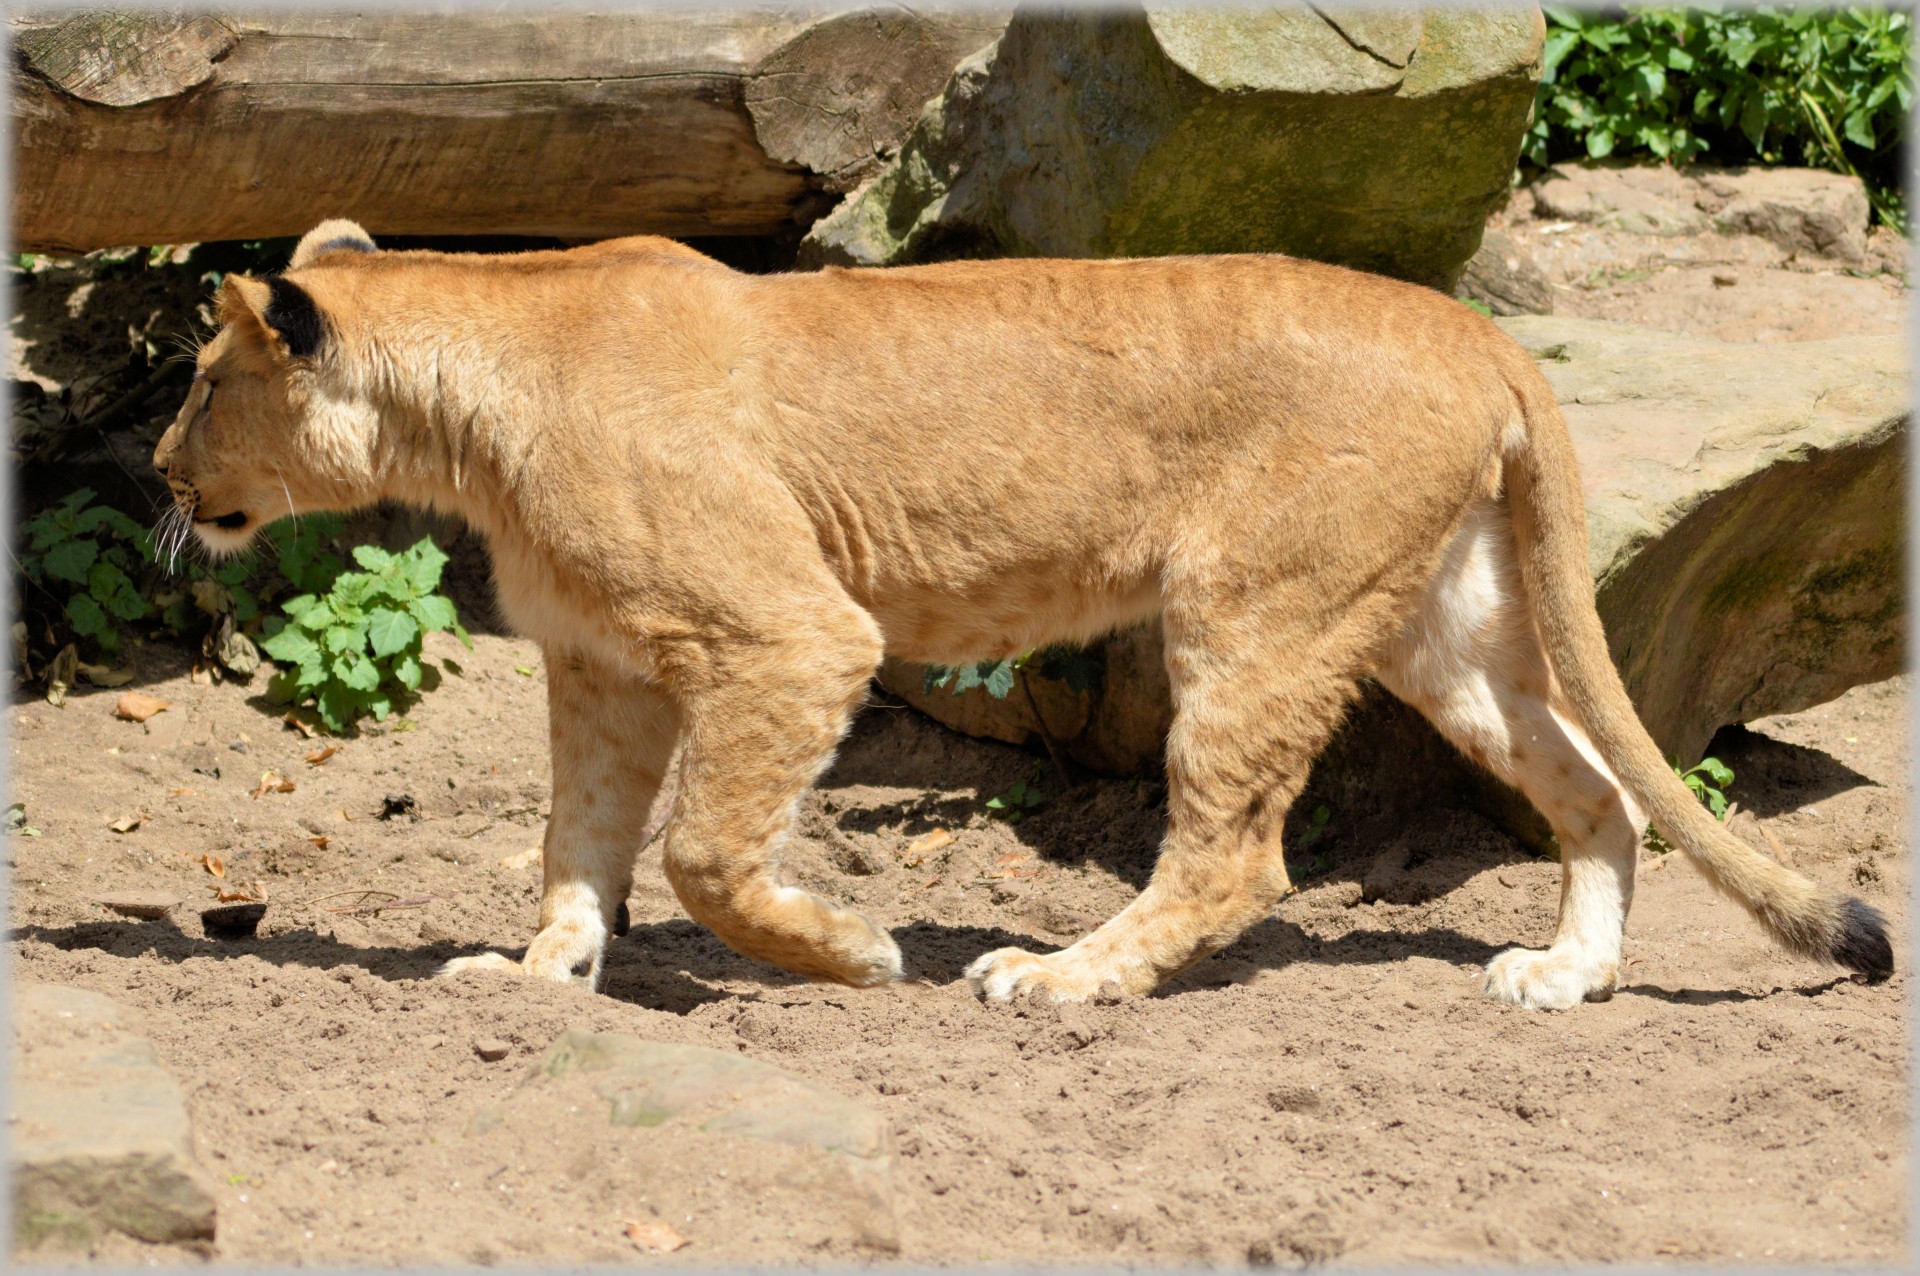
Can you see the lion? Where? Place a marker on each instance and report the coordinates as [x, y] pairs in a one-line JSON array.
[[717, 499]]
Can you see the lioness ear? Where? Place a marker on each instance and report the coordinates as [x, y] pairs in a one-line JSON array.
[[280, 310], [336, 234]]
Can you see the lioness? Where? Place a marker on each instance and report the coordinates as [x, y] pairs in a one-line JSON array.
[[716, 499]]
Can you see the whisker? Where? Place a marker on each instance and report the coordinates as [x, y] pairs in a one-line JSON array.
[[291, 512]]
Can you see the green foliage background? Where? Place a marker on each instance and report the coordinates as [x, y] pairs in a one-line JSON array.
[[1826, 88]]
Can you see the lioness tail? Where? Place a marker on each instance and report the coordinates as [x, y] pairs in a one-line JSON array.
[[1549, 523]]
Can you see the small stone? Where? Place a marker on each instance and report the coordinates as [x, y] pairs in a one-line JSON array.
[[232, 921], [492, 1049], [145, 905], [395, 805]]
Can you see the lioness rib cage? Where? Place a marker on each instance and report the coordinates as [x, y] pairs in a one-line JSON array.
[[709, 497]]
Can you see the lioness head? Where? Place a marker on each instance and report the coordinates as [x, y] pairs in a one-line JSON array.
[[270, 427]]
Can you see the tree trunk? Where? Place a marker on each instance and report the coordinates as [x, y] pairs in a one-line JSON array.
[[153, 127]]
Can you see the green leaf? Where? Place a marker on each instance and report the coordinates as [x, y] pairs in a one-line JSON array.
[[338, 706], [113, 591], [292, 646], [69, 560], [390, 631], [354, 670], [434, 612], [461, 634], [372, 557], [999, 679], [1859, 129], [424, 562], [406, 671], [86, 617]]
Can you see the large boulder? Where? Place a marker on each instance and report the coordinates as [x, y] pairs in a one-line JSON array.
[[743, 1151], [1377, 139], [1746, 509], [97, 1130]]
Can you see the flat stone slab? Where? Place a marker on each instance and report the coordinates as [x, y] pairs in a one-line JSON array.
[[724, 1147], [145, 905], [98, 1134]]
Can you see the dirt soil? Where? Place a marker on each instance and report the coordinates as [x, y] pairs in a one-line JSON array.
[[1729, 287], [1331, 1086], [1330, 1089]]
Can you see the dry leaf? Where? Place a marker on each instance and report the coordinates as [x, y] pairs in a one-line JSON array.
[[253, 893], [925, 845], [319, 756], [272, 782], [138, 706], [320, 841], [180, 793], [659, 1237], [521, 859], [342, 816], [1017, 864], [61, 673], [304, 728], [126, 824], [202, 674], [101, 676], [214, 864]]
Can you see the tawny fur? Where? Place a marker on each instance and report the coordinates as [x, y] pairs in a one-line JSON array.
[[717, 499]]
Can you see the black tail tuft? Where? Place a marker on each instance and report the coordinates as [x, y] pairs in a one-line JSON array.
[[1861, 941]]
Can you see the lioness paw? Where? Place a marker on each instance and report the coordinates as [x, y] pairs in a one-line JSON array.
[[499, 963], [1007, 973], [881, 962], [1546, 980]]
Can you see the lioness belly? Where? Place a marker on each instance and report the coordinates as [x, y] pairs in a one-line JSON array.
[[936, 627]]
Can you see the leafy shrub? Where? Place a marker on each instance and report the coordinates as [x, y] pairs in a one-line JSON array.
[[1013, 805], [85, 558], [101, 571], [1708, 782], [354, 647], [1079, 669], [1829, 88]]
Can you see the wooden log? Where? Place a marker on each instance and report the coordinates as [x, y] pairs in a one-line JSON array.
[[152, 127]]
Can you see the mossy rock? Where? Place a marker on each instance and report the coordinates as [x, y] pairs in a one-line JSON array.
[[1379, 141]]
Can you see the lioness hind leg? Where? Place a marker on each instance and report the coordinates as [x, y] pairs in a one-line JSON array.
[[612, 736], [1256, 696], [1471, 660], [754, 743]]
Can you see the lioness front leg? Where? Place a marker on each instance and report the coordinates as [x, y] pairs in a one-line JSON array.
[[612, 738], [755, 739]]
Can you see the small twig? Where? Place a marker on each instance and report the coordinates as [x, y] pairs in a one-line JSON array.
[[109, 415], [1046, 736], [1779, 851], [353, 890]]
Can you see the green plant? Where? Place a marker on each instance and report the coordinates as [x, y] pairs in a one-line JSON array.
[[1829, 88], [354, 649], [1708, 781], [85, 558], [1079, 669], [1013, 805]]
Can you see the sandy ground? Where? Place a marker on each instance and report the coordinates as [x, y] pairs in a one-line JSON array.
[[1331, 1089]]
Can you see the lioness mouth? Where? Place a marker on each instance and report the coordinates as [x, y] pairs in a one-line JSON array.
[[231, 522]]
